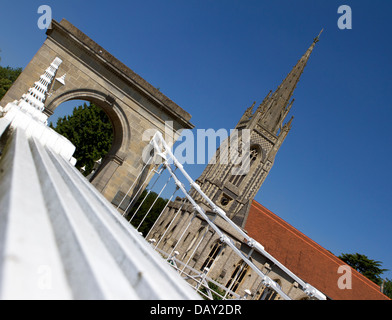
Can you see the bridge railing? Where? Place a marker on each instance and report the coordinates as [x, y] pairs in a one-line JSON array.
[[59, 237], [209, 216]]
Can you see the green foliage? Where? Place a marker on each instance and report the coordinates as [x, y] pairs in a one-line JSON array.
[[152, 215], [8, 76], [387, 288], [90, 130], [368, 267], [214, 288]]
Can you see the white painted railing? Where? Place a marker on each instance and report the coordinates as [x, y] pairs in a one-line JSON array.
[[59, 237], [164, 155]]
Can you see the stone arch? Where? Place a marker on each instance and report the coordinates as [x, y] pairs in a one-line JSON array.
[[116, 115], [121, 128], [131, 103]]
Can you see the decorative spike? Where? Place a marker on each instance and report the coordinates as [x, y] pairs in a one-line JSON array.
[[285, 112], [249, 111], [265, 99], [289, 107], [267, 96], [288, 125], [262, 108], [317, 39]]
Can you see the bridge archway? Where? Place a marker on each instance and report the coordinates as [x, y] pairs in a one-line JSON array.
[[131, 103], [121, 128]]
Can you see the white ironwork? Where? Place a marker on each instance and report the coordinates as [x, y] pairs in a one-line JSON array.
[[163, 151]]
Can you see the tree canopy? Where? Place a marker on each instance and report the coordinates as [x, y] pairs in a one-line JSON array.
[[146, 213], [8, 76], [90, 130], [387, 287], [371, 269]]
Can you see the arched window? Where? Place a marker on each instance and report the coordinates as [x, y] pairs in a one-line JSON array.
[[192, 243], [253, 154], [237, 276], [212, 256], [169, 235]]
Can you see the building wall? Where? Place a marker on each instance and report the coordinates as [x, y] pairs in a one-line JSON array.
[[178, 229]]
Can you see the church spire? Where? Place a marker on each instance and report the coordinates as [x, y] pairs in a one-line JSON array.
[[275, 108], [268, 128]]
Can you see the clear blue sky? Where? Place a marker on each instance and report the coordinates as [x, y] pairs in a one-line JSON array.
[[332, 176]]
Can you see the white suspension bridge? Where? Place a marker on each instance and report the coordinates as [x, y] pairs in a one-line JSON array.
[[60, 239]]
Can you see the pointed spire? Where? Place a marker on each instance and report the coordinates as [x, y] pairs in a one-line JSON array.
[[249, 111], [274, 108], [284, 114], [247, 115], [317, 39]]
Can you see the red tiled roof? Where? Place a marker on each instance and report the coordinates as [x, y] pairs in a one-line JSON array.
[[308, 260]]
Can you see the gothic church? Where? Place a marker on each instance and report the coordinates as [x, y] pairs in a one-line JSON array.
[[234, 193], [181, 233]]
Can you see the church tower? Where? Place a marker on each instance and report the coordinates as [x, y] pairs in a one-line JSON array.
[[188, 240], [267, 128]]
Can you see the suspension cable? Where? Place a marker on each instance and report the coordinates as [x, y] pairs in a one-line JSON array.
[[163, 188], [131, 187], [148, 192]]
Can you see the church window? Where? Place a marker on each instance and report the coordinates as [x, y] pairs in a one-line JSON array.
[[212, 256], [170, 234], [237, 276], [191, 244], [225, 200]]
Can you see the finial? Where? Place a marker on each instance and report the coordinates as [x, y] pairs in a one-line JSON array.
[[249, 111], [318, 37], [288, 125]]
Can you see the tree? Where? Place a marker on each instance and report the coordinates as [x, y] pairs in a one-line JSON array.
[[8, 76], [371, 269], [90, 130], [153, 213], [387, 287]]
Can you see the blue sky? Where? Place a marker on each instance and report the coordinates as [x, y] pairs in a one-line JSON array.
[[332, 176]]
